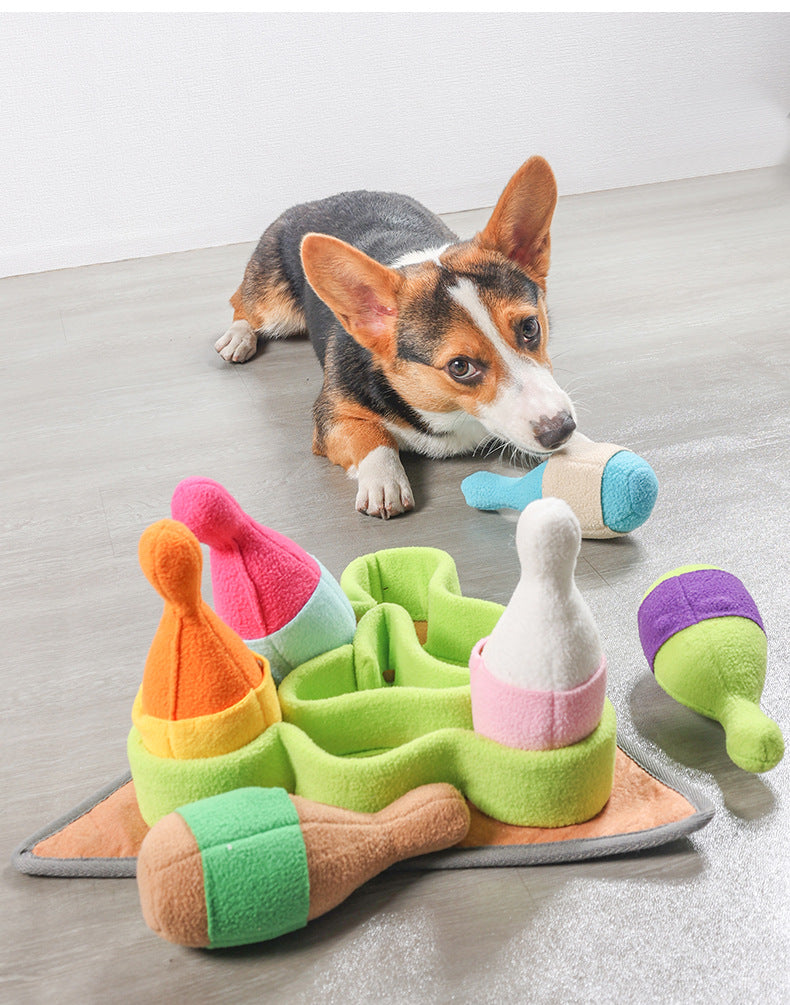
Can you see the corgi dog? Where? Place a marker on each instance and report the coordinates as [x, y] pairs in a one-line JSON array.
[[428, 343]]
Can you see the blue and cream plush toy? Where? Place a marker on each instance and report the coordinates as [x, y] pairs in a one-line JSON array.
[[611, 490]]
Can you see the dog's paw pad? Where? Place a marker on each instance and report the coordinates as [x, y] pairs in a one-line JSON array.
[[238, 344]]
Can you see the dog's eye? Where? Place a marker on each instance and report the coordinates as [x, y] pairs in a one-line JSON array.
[[528, 332], [463, 370]]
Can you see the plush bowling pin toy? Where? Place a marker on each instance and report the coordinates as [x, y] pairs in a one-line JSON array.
[[539, 680], [256, 863], [204, 693], [704, 640], [611, 490], [279, 599]]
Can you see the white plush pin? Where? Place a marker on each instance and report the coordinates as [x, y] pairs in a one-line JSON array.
[[539, 679]]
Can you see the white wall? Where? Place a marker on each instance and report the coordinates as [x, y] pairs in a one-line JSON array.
[[135, 134]]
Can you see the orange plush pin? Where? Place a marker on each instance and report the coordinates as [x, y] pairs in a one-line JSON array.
[[204, 693]]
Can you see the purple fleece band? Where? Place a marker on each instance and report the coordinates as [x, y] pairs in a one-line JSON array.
[[684, 600]]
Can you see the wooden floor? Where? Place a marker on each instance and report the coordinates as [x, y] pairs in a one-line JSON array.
[[671, 327]]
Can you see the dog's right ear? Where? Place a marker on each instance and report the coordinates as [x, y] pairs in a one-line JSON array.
[[519, 226], [362, 293]]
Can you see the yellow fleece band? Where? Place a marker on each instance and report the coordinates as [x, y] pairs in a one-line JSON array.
[[211, 735]]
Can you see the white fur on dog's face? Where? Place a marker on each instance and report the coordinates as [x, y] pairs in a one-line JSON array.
[[527, 395]]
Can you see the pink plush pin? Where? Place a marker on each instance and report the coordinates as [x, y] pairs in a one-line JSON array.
[[276, 596]]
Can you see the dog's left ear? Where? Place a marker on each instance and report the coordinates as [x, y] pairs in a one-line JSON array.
[[361, 292], [519, 225]]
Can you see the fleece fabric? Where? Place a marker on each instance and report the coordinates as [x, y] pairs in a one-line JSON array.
[[686, 596], [381, 691], [253, 864], [649, 806], [548, 788], [203, 692], [546, 639], [326, 621], [424, 581], [260, 579], [369, 721], [346, 849], [255, 875], [533, 720], [612, 491], [276, 596], [704, 640], [213, 734]]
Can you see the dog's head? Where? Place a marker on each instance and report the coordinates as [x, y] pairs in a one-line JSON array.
[[466, 328]]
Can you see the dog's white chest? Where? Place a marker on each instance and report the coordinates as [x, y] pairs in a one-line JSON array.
[[450, 433]]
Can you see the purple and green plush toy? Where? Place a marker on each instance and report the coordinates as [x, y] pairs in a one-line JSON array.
[[611, 490], [704, 640]]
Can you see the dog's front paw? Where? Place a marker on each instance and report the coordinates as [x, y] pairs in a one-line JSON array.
[[238, 344], [384, 489]]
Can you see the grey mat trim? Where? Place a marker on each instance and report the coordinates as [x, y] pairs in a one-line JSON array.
[[492, 856], [90, 868]]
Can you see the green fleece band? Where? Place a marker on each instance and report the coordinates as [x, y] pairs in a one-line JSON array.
[[164, 784], [532, 788], [255, 874], [543, 788]]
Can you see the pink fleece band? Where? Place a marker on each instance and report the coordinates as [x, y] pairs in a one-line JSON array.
[[533, 720]]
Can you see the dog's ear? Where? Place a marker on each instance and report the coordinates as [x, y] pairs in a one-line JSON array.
[[361, 292], [519, 225]]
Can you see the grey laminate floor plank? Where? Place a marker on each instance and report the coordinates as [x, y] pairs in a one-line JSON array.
[[670, 308]]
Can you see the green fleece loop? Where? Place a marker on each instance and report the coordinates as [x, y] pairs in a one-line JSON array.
[[424, 581], [352, 739], [379, 692], [255, 877]]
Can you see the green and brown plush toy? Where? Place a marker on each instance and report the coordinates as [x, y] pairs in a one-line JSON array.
[[256, 863]]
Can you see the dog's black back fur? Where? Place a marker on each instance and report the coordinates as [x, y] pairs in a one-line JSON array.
[[382, 224]]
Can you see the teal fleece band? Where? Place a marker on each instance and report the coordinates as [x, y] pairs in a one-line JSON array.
[[326, 621], [254, 860]]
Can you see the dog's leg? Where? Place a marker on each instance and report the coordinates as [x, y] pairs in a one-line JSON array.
[[274, 315], [239, 343], [263, 306], [382, 486], [365, 448]]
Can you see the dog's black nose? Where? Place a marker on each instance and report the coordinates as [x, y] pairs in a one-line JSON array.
[[553, 432]]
